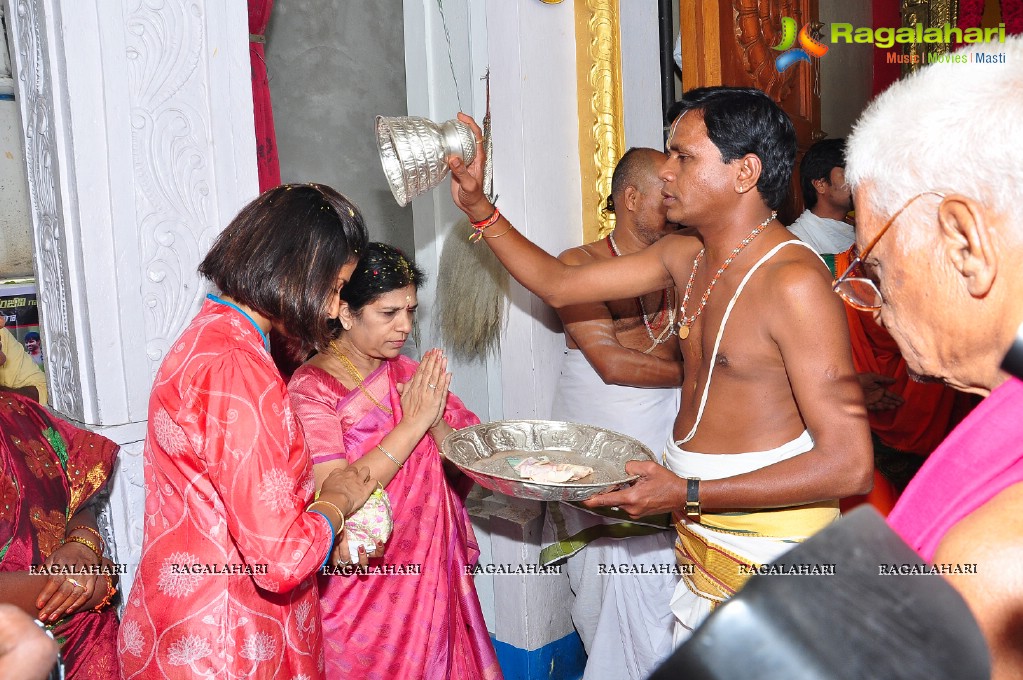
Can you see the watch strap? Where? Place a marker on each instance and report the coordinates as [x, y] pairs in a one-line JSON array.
[[692, 497]]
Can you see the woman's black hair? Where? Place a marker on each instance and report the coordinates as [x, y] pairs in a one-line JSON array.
[[381, 269], [281, 255]]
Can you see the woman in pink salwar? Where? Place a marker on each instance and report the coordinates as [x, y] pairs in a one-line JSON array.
[[231, 543], [362, 401]]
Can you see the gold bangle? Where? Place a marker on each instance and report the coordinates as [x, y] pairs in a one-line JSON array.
[[510, 227], [98, 535], [336, 509], [87, 543], [111, 591], [393, 459]]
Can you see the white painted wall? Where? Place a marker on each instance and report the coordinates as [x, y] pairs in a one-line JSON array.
[[432, 94], [536, 168], [530, 49], [641, 73], [531, 52]]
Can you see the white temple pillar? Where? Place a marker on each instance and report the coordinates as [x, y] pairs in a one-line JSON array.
[[121, 101], [529, 47]]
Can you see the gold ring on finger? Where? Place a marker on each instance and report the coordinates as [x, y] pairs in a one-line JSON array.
[[432, 386], [74, 583]]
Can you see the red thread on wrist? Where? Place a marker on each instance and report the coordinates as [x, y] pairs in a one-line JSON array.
[[484, 223], [478, 227]]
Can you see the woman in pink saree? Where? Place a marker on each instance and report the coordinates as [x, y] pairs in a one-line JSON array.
[[428, 624]]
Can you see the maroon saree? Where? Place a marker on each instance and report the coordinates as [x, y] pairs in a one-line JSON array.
[[50, 470]]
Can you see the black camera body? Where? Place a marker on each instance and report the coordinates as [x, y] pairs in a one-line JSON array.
[[1013, 361]]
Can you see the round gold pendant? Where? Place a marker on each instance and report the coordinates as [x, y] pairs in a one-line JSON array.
[[683, 331]]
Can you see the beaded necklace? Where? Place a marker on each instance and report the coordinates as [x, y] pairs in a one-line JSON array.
[[350, 368], [665, 309], [685, 322]]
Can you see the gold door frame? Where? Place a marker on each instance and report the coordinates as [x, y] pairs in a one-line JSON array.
[[932, 14], [601, 126]]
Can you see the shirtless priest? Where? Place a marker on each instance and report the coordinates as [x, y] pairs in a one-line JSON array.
[[784, 428], [622, 370]]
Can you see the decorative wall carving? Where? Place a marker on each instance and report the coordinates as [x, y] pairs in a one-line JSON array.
[[171, 148], [601, 126], [755, 22], [121, 517], [119, 116], [37, 93]]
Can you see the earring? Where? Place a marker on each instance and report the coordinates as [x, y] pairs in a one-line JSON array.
[[346, 326]]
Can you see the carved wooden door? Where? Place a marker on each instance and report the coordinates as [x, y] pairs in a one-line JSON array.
[[728, 42]]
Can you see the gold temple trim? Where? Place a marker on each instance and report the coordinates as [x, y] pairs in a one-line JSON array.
[[601, 130], [932, 14]]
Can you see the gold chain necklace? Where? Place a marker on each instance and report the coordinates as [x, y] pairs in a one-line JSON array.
[[350, 368], [686, 322], [667, 308]]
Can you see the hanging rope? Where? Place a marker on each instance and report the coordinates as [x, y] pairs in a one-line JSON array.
[[451, 63]]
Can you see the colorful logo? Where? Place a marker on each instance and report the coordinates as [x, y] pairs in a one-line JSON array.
[[809, 44]]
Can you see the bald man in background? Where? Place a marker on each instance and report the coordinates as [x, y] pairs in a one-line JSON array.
[[622, 371]]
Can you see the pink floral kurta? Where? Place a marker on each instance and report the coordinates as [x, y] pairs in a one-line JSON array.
[[227, 479]]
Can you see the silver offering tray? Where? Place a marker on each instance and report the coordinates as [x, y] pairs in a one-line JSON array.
[[482, 452]]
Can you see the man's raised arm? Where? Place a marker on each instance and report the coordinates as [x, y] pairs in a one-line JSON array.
[[541, 273]]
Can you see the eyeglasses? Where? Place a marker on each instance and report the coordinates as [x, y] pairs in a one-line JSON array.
[[862, 293]]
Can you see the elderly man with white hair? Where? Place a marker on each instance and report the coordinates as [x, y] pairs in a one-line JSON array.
[[936, 169]]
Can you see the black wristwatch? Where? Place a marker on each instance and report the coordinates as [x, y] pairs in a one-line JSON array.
[[692, 497]]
